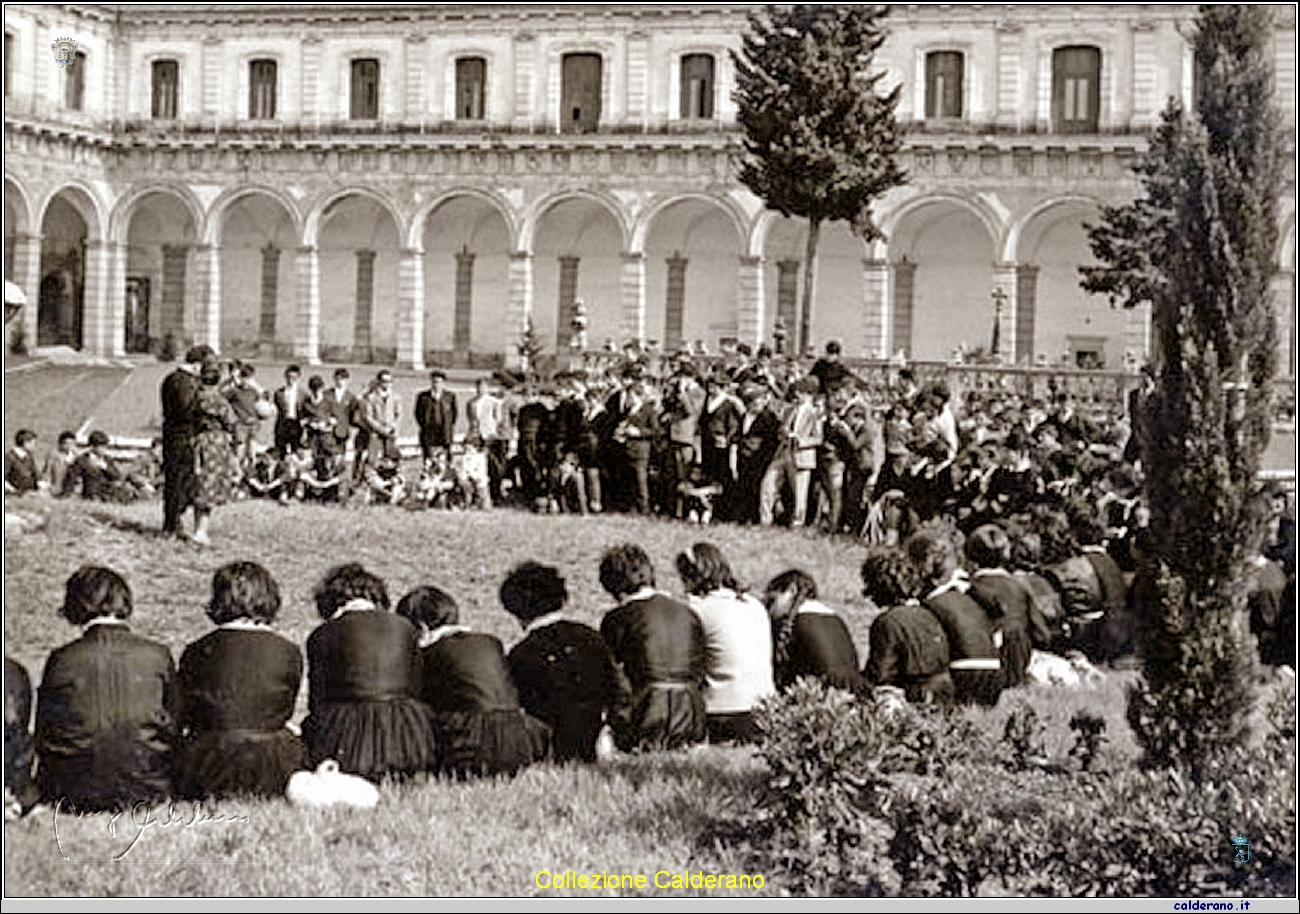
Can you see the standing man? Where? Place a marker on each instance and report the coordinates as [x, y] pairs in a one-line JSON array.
[[339, 407], [435, 414], [288, 405], [487, 428], [180, 391], [685, 403], [382, 410]]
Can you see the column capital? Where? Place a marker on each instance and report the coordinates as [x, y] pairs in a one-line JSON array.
[[751, 260], [633, 256], [521, 255], [873, 263], [307, 249], [28, 237], [412, 252]]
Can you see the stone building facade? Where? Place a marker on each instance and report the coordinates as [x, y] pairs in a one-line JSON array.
[[412, 184]]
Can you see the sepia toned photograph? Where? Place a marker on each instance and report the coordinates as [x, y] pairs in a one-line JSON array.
[[675, 451]]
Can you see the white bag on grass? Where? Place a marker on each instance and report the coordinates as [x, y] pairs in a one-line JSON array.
[[327, 786]]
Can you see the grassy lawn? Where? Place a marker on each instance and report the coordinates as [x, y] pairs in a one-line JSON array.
[[635, 815], [52, 398]]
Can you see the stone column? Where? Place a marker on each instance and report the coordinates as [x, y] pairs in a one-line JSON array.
[[749, 301], [1137, 332], [633, 288], [207, 302], [875, 308], [27, 274], [1284, 308], [1026, 312], [116, 329], [1004, 279], [410, 309], [519, 305], [95, 302], [306, 337]]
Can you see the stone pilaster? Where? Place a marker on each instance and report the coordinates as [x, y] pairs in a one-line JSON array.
[[1137, 333], [416, 54], [95, 305], [1145, 106], [525, 78], [632, 284], [1026, 312], [749, 301], [207, 283], [211, 89], [519, 305], [27, 274], [875, 308], [1283, 288], [410, 313], [311, 48], [638, 76], [1004, 281], [1008, 93], [306, 337], [116, 329]]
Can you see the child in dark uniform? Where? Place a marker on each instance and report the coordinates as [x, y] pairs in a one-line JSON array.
[[481, 727], [1008, 602], [562, 669]]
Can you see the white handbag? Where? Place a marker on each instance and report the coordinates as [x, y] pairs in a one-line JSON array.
[[327, 786]]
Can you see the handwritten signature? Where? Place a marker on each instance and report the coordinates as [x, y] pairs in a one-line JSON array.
[[140, 818]]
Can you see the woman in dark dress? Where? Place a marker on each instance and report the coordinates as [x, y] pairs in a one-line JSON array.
[[481, 728], [215, 467], [238, 686], [364, 709], [562, 668], [808, 637], [659, 648], [105, 711], [908, 647]]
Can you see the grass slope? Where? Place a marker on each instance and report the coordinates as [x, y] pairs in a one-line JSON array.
[[632, 815]]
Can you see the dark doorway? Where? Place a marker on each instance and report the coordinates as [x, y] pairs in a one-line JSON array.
[[137, 314], [580, 98]]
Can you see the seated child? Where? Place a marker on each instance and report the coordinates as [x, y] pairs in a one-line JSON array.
[[471, 468], [1007, 601], [145, 474], [384, 481], [438, 485], [263, 478], [20, 465], [481, 727], [95, 474], [697, 495]]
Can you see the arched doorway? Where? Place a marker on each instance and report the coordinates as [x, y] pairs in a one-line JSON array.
[[258, 242], [578, 255], [942, 256], [466, 280], [360, 256], [692, 252], [837, 307], [65, 228], [160, 306], [1069, 325]]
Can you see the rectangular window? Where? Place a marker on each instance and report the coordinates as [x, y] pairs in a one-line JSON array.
[[697, 87], [580, 93], [9, 63], [365, 90], [1076, 89], [74, 83], [261, 90], [944, 71], [166, 80], [471, 77]]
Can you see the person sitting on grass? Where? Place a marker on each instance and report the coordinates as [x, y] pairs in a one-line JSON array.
[[562, 668], [59, 462], [20, 791], [94, 473], [364, 706], [1009, 604], [738, 638], [908, 647], [808, 637], [658, 645], [482, 730], [238, 687], [20, 465], [973, 652], [106, 708]]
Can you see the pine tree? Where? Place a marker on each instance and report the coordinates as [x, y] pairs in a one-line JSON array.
[[820, 141], [1198, 245]]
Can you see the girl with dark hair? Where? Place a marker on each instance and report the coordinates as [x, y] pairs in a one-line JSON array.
[[1008, 602], [105, 711], [562, 668], [808, 637], [364, 682], [481, 728], [909, 648], [238, 686], [658, 645], [738, 640]]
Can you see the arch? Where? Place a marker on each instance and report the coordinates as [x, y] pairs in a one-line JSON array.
[[311, 224], [358, 234], [528, 230], [256, 233], [991, 220], [120, 224], [21, 202], [1010, 240], [641, 225], [84, 199], [217, 211], [415, 231]]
